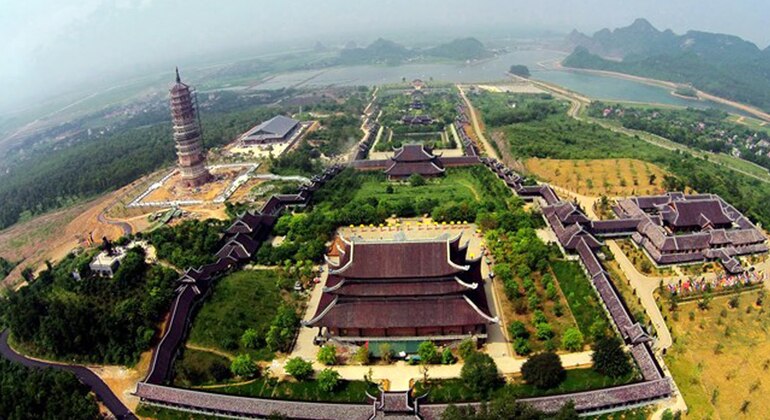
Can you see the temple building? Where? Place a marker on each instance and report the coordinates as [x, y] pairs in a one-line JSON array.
[[413, 159], [278, 129], [403, 290], [672, 228], [187, 135]]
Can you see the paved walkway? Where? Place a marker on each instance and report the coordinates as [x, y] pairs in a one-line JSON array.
[[488, 149]]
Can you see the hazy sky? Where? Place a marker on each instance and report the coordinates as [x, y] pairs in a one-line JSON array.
[[58, 43]]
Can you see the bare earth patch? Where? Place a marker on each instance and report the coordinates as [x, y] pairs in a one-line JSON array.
[[595, 177]]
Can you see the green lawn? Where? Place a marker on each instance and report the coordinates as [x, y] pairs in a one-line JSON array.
[[346, 392], [196, 367], [457, 185], [580, 295], [455, 390], [245, 299]]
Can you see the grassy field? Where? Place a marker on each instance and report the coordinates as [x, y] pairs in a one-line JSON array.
[[720, 358], [455, 390], [346, 392], [245, 299], [196, 367], [581, 297], [595, 177], [158, 413], [458, 185]]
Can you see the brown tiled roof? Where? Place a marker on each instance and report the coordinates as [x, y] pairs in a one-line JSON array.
[[409, 259], [692, 213], [401, 313]]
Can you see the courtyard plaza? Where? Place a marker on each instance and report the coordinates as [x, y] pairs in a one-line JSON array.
[[399, 375]]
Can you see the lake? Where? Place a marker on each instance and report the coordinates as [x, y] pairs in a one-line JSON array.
[[594, 86]]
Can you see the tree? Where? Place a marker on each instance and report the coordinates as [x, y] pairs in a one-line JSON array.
[[609, 358], [428, 352], [416, 180], [572, 339], [299, 368], [244, 367], [480, 374], [543, 370], [328, 379], [327, 355], [250, 339], [447, 358]]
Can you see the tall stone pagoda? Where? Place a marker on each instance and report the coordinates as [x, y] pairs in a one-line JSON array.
[[187, 135]]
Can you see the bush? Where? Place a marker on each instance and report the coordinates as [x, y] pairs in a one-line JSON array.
[[244, 367], [609, 358], [521, 346], [517, 329], [544, 331], [386, 353], [250, 339], [543, 370], [480, 374], [466, 348], [362, 355], [299, 368], [328, 380], [538, 317], [416, 180], [572, 339], [428, 352], [327, 355], [447, 358]]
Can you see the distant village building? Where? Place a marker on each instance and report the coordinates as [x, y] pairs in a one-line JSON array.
[[187, 135], [403, 291], [278, 129]]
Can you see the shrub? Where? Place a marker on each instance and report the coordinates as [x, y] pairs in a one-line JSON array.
[[572, 339], [385, 352], [362, 355], [466, 348], [250, 339], [480, 374], [447, 357], [416, 180], [428, 352], [521, 346], [517, 329], [538, 317], [550, 292], [543, 370], [327, 355], [328, 379], [244, 367], [544, 331], [299, 368]]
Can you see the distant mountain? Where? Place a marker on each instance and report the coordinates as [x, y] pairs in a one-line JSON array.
[[724, 65], [460, 49], [383, 51]]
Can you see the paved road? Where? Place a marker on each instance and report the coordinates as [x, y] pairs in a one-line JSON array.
[[102, 391], [127, 230]]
